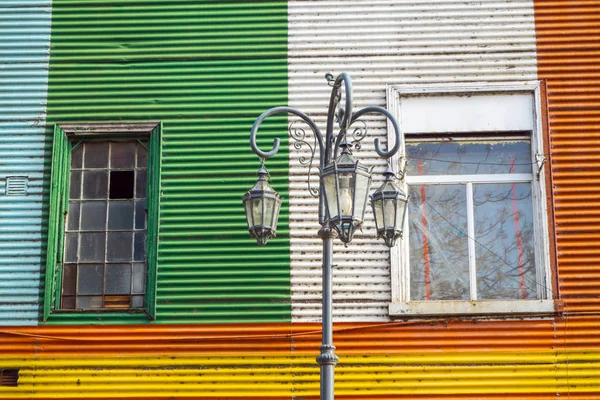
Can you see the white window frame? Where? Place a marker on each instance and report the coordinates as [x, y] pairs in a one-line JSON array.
[[401, 305]]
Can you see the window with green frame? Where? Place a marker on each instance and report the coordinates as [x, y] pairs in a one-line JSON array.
[[102, 233]]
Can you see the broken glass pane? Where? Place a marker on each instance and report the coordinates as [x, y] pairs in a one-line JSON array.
[[121, 185]]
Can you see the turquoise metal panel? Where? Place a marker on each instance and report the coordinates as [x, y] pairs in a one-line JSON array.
[[24, 56]]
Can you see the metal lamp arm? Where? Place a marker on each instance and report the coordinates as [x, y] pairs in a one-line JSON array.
[[334, 100], [276, 141], [379, 110]]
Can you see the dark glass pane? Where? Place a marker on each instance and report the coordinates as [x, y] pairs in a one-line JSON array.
[[121, 184], [77, 156], [87, 302], [75, 185], [119, 246], [70, 247], [69, 284], [68, 303], [140, 215], [96, 155], [118, 279], [93, 216], [91, 247], [73, 216], [142, 156], [139, 246], [95, 184], [90, 279], [468, 157], [122, 154], [139, 278], [120, 215], [140, 184], [504, 251], [137, 301], [439, 253]]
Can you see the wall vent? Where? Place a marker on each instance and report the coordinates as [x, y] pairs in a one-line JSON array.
[[16, 185], [9, 377]]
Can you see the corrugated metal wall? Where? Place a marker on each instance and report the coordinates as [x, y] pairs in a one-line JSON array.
[[24, 53], [419, 360], [378, 43], [568, 42], [205, 69]]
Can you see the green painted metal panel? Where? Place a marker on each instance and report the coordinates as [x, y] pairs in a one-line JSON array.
[[206, 70]]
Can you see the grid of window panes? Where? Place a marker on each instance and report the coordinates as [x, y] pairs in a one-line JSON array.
[[472, 198], [104, 261]]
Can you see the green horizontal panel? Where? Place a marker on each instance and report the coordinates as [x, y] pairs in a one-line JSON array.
[[206, 70]]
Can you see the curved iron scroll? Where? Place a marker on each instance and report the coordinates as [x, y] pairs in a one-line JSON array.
[[298, 134], [277, 141], [379, 110]]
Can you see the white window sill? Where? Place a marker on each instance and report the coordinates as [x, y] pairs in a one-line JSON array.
[[489, 307]]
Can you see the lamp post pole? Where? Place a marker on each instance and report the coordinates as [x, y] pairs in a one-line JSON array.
[[342, 193]]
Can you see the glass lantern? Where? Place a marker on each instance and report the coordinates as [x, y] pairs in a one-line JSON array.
[[389, 204], [346, 185], [262, 205]]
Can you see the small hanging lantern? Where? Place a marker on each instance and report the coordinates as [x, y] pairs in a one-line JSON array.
[[262, 205], [389, 204], [346, 182]]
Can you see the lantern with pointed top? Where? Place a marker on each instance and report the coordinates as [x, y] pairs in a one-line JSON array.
[[262, 205], [389, 207], [346, 182]]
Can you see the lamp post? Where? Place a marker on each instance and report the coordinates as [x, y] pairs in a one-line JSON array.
[[343, 190]]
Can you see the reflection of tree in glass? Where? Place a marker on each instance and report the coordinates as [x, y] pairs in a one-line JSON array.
[[504, 247], [439, 251]]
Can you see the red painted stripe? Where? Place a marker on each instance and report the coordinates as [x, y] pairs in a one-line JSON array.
[[425, 243], [518, 231]]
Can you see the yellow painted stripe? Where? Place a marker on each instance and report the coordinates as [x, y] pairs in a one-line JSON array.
[[274, 375]]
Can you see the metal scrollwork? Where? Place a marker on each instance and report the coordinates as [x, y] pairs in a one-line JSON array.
[[358, 134], [299, 136]]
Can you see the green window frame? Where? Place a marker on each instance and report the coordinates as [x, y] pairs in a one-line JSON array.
[[66, 138]]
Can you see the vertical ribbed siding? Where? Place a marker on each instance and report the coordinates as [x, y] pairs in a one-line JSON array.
[[24, 52], [206, 69], [568, 43], [379, 43]]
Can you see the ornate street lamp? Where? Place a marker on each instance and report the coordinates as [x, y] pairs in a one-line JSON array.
[[262, 205], [343, 191], [389, 209], [346, 182]]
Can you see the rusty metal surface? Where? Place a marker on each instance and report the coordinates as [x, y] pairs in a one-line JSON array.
[[568, 43]]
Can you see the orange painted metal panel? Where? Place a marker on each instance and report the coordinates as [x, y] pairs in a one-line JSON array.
[[568, 46]]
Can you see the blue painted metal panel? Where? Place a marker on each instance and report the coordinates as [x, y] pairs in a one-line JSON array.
[[24, 56]]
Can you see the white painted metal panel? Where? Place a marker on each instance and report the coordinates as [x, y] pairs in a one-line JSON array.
[[383, 43], [456, 113], [24, 57]]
